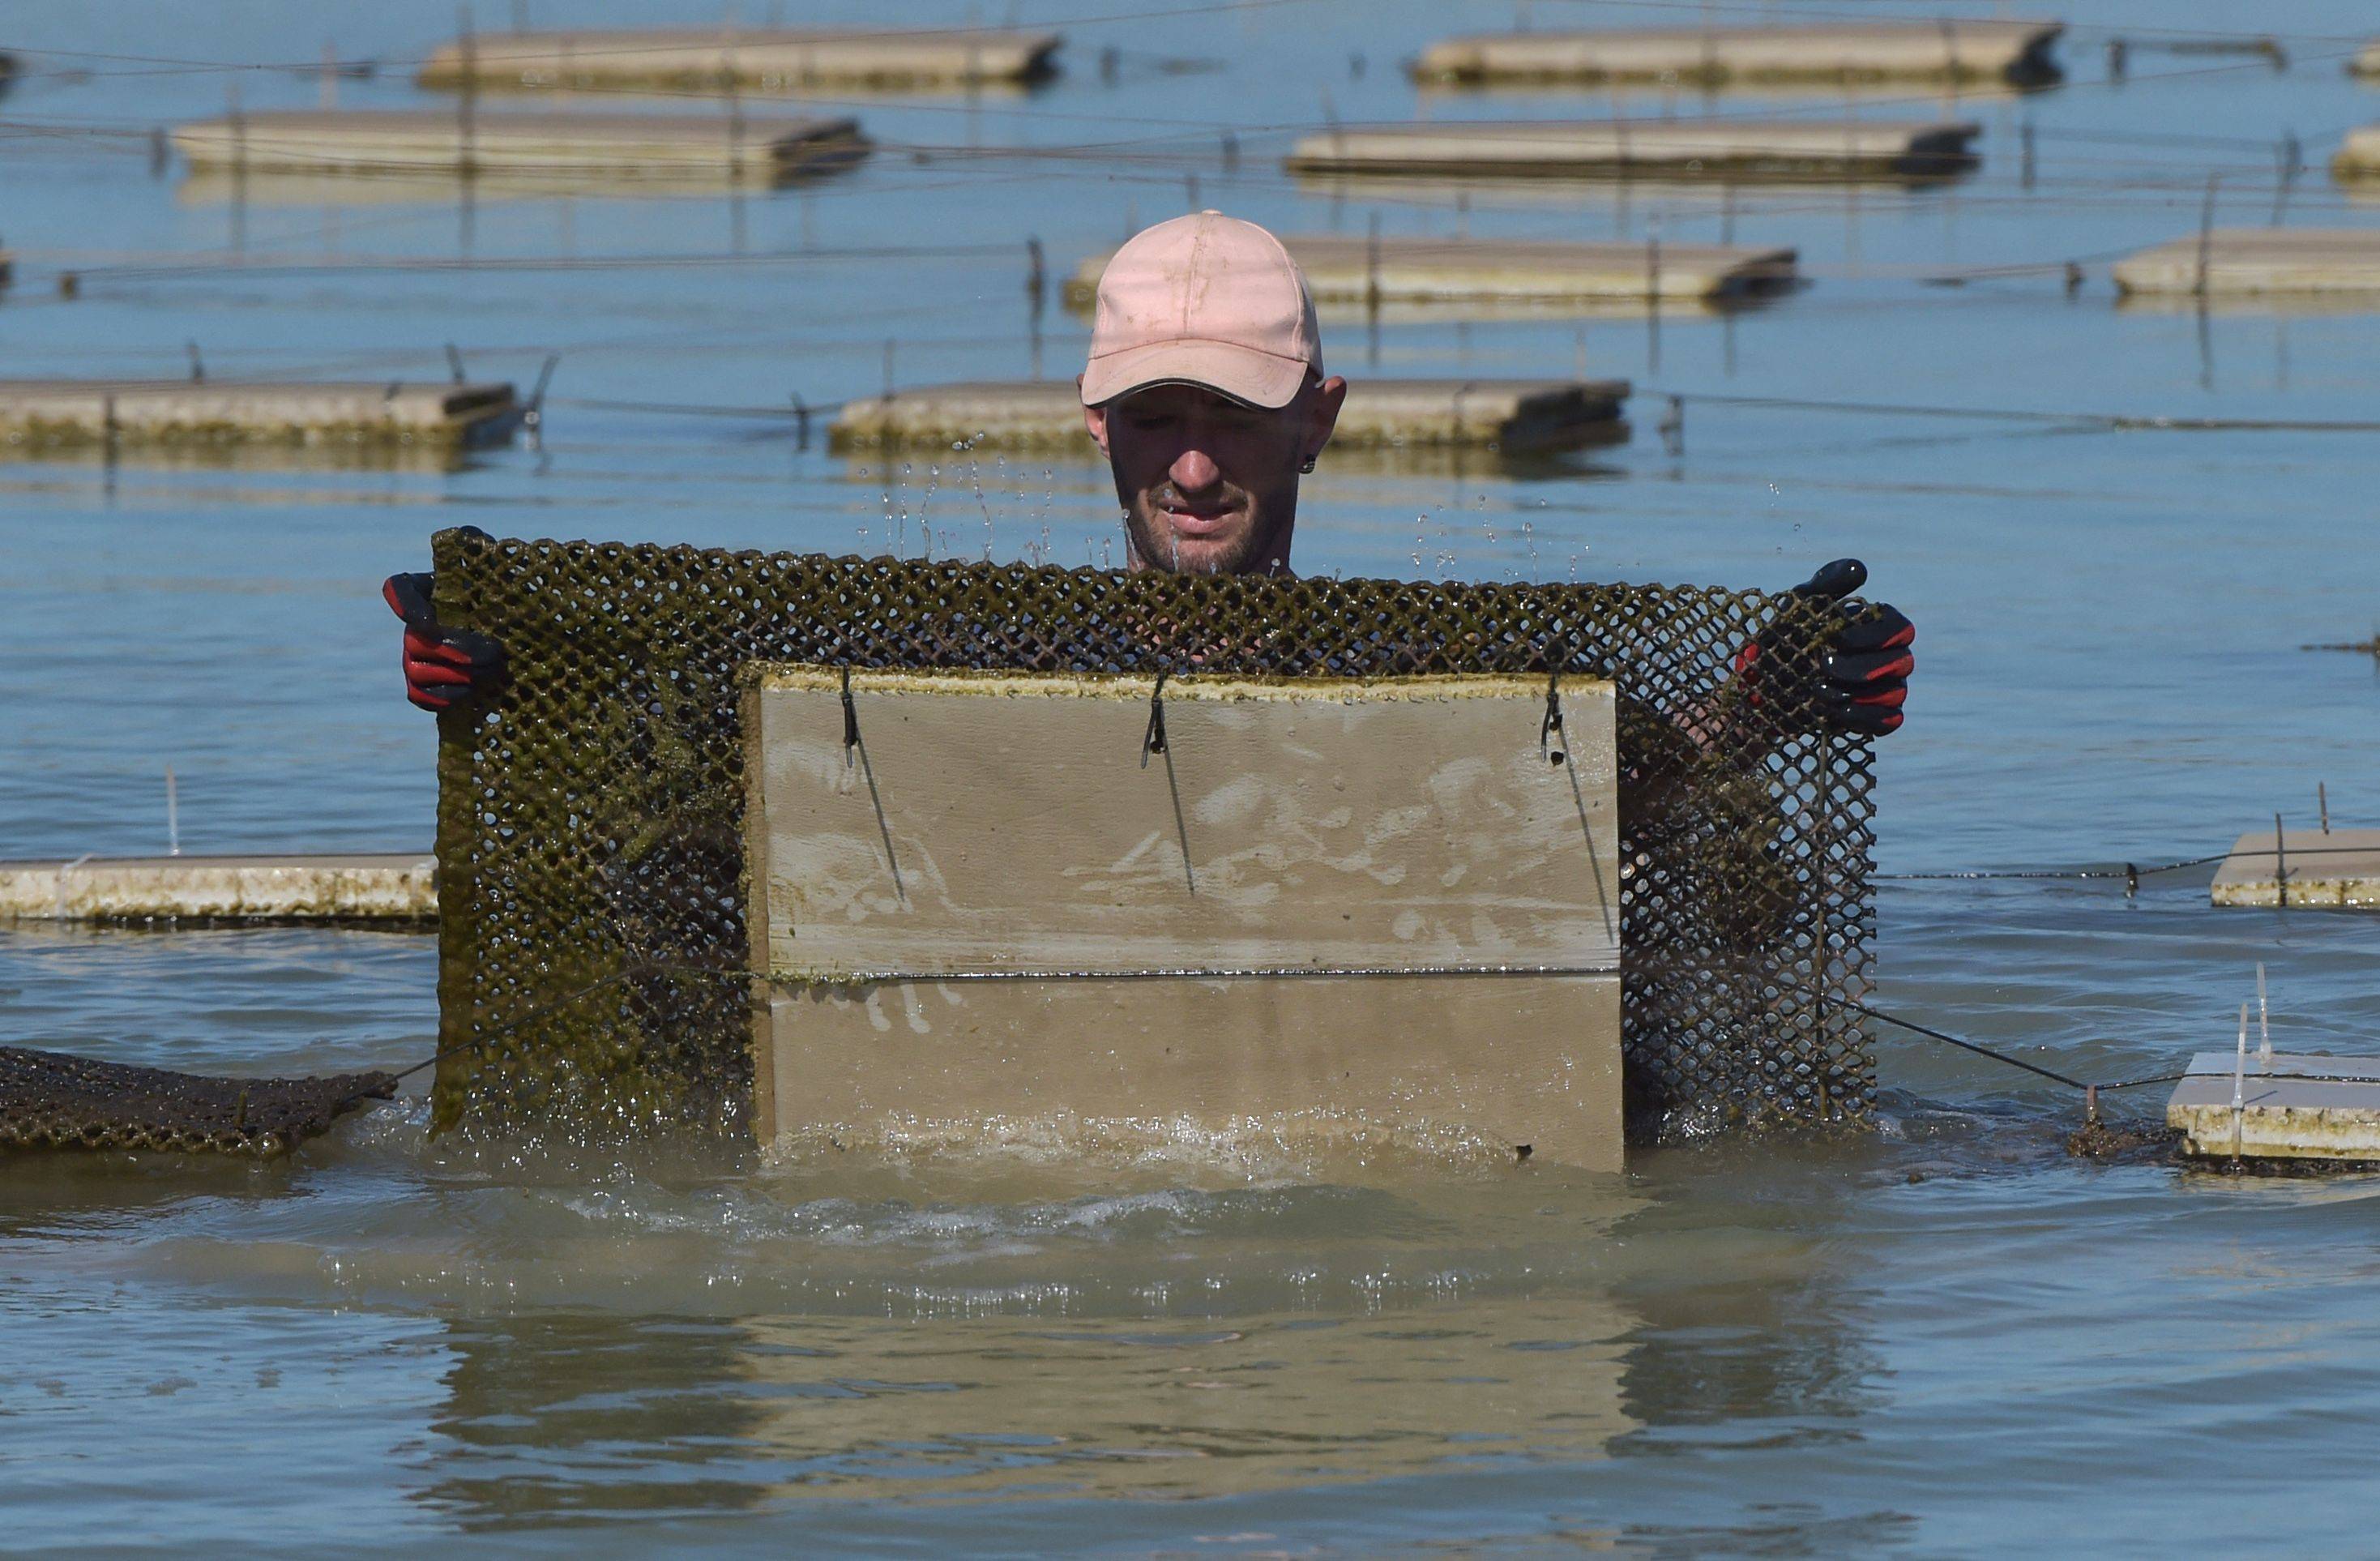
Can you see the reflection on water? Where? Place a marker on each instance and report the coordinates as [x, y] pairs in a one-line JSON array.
[[590, 1412]]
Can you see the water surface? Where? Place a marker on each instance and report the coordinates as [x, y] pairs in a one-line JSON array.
[[1945, 1337]]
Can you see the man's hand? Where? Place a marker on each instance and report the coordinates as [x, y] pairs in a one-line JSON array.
[[444, 667], [1860, 677]]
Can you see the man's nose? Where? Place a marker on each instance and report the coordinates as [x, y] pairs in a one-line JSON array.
[[1194, 471]]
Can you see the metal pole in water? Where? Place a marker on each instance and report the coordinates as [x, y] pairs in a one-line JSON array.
[[173, 816], [2264, 1022], [2280, 864], [466, 127], [2240, 1085], [2205, 233], [2322, 801]]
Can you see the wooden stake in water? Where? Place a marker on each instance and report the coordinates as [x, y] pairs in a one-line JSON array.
[[2322, 801], [173, 816]]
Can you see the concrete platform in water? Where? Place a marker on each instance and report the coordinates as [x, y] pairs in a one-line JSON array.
[[395, 889], [592, 146], [44, 416], [1943, 50], [2338, 869], [1706, 149], [1518, 416], [2304, 1107], [2235, 262], [1441, 269], [716, 58]]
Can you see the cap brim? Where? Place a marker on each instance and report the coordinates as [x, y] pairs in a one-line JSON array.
[[1259, 379]]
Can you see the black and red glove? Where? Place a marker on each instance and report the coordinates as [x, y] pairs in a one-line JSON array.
[[1857, 679], [444, 667]]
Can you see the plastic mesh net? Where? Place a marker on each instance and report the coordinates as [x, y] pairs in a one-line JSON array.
[[50, 1100], [590, 815]]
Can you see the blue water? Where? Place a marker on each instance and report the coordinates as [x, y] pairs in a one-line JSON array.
[[1945, 1340]]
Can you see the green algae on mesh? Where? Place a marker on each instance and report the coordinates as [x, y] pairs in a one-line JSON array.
[[590, 822]]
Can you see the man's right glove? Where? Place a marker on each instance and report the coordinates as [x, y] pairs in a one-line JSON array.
[[444, 667]]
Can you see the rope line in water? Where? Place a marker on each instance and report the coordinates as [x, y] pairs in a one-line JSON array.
[[2090, 1091], [2128, 871], [1976, 1047]]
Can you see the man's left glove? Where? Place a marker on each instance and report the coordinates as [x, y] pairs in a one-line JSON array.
[[444, 667], [1859, 679]]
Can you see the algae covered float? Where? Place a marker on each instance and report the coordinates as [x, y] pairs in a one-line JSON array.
[[2264, 262], [1833, 150], [729, 57], [1955, 51], [1103, 908], [69, 417], [592, 147], [1517, 417], [391, 889], [1454, 271]]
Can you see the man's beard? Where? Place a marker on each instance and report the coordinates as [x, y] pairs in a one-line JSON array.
[[1156, 547]]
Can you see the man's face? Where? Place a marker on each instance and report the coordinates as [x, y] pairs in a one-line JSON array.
[[1210, 486]]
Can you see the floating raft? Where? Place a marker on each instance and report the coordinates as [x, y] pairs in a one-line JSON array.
[[1517, 416], [42, 415], [718, 58], [400, 889], [2359, 156], [2308, 1106], [1829, 149], [581, 145], [2340, 869], [1433, 270], [1889, 51], [2250, 261]]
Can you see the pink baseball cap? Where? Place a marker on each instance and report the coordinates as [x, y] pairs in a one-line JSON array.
[[1206, 300]]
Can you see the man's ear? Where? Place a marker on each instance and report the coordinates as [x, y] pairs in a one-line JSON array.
[[1323, 416], [1096, 419]]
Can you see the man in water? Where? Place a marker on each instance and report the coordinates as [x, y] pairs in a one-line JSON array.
[[1206, 393]]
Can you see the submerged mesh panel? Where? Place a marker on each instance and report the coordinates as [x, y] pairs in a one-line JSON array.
[[590, 816], [50, 1100]]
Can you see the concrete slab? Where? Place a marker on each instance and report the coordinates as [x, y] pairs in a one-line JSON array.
[[398, 888], [51, 415], [1709, 148], [1514, 415], [765, 59], [1324, 908], [2308, 868], [1939, 50], [1433, 270], [592, 147], [2304, 1107], [2231, 261]]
